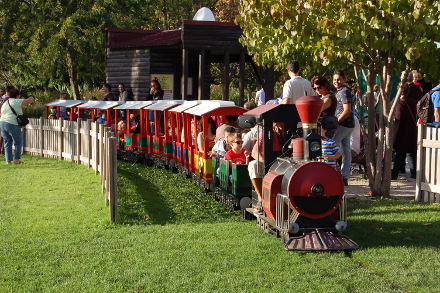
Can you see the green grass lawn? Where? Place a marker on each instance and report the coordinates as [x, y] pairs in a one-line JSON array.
[[55, 236]]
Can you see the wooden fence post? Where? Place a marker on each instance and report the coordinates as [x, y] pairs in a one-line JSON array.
[[113, 178], [78, 141], [41, 136], [420, 161], [89, 143], [60, 139]]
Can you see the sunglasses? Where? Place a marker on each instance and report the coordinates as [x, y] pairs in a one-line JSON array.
[[238, 142], [317, 88]]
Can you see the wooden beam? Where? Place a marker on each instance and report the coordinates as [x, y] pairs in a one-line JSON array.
[[201, 83], [184, 86], [241, 77], [226, 76]]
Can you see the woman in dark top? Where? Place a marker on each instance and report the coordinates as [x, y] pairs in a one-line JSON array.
[[406, 132], [322, 87], [156, 92]]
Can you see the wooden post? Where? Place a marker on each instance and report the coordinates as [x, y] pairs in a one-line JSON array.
[[78, 141], [96, 150], [226, 78], [241, 77], [60, 139], [41, 136], [113, 178], [184, 86], [89, 142], [201, 75], [420, 161], [433, 163]]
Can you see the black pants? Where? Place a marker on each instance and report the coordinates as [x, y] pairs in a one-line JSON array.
[[399, 158]]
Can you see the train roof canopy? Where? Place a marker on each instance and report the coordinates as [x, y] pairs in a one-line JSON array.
[[103, 105], [216, 108], [186, 105], [162, 105], [276, 113], [65, 103], [134, 105]]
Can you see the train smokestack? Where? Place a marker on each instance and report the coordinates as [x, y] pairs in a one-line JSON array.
[[309, 108]]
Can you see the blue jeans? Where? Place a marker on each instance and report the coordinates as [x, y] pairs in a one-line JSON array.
[[342, 139], [12, 133]]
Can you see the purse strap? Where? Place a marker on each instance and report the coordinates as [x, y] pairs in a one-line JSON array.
[[409, 109], [13, 111]]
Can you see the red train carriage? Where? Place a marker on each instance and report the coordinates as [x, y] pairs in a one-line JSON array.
[[134, 134], [159, 131], [200, 163], [180, 159], [99, 111], [65, 109]]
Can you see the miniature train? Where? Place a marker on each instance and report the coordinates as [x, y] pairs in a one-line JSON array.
[[303, 200]]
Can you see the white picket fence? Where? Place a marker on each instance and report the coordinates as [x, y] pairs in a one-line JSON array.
[[82, 142], [428, 165]]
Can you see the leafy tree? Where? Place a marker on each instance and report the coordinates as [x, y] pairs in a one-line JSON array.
[[375, 37]]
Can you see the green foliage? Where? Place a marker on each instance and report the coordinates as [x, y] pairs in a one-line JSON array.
[[57, 237], [334, 32]]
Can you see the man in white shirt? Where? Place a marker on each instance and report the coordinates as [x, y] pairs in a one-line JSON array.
[[260, 97], [296, 87]]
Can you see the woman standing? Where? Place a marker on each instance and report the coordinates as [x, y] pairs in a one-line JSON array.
[[346, 122], [123, 94], [11, 132], [406, 134], [156, 92], [108, 96], [322, 87]]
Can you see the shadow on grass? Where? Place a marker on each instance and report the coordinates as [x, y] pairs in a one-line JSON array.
[[394, 223], [148, 195], [140, 200]]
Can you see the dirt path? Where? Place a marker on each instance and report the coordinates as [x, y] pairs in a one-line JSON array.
[[403, 188]]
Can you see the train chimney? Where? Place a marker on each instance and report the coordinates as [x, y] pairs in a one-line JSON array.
[[309, 108]]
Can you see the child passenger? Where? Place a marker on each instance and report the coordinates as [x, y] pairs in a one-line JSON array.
[[236, 153], [221, 147], [330, 150]]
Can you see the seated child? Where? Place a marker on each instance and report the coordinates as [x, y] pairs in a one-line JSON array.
[[236, 153], [330, 150], [221, 147]]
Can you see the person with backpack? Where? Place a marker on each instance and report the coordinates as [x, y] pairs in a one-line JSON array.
[[435, 99]]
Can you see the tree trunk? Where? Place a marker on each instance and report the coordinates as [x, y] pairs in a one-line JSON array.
[[269, 83], [72, 77]]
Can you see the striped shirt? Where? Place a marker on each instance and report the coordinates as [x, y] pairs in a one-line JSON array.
[[329, 148]]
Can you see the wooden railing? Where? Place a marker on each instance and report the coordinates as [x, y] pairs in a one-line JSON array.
[[428, 165], [82, 142]]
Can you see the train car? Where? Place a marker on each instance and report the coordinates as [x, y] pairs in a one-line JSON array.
[[200, 163], [101, 111], [180, 161], [159, 133], [303, 199], [65, 109], [133, 141]]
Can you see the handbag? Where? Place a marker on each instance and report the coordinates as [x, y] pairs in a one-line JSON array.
[[22, 120]]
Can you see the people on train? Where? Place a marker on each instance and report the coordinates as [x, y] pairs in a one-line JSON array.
[[221, 147], [211, 136], [236, 153], [231, 120]]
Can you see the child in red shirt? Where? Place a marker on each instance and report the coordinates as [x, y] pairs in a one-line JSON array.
[[236, 154]]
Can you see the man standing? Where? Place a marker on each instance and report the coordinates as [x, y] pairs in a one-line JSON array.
[[435, 99], [260, 97], [296, 87]]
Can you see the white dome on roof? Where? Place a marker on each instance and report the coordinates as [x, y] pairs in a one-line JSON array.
[[204, 14]]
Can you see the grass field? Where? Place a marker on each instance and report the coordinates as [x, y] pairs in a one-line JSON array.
[[55, 236]]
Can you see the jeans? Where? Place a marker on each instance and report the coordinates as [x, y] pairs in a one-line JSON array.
[[12, 133], [342, 139]]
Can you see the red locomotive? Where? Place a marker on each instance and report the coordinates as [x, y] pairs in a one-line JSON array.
[[303, 199]]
